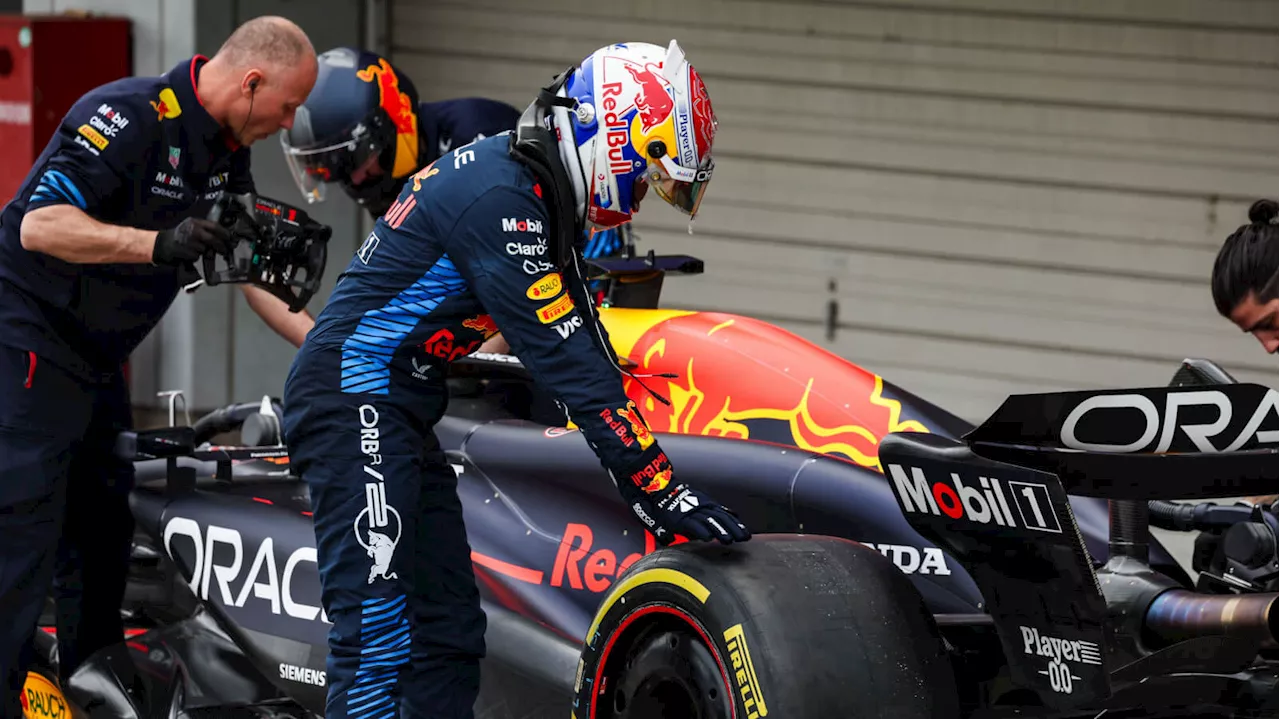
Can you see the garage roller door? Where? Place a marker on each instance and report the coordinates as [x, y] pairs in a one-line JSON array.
[[997, 195]]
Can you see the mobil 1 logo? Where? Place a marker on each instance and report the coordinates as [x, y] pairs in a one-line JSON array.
[[964, 496]]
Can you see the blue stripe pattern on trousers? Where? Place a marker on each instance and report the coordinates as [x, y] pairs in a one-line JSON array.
[[384, 641], [366, 355]]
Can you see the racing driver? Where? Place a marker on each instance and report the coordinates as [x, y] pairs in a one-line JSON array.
[[455, 257], [359, 128]]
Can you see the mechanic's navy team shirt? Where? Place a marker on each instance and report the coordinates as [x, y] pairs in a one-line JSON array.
[[411, 300], [449, 123], [139, 152]]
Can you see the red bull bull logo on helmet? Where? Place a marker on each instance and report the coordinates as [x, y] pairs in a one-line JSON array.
[[401, 111], [653, 101]]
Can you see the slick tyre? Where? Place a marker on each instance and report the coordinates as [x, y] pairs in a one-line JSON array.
[[795, 626]]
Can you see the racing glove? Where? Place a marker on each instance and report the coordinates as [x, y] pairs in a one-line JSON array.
[[679, 509], [192, 239]]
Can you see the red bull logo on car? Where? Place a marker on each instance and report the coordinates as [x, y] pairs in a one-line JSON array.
[[822, 404]]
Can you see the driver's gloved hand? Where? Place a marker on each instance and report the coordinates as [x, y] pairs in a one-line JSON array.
[[680, 509], [192, 239]]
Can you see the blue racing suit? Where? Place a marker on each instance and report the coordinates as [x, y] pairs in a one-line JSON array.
[[461, 253], [139, 152]]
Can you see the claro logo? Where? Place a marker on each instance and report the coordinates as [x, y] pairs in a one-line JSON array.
[[985, 501]]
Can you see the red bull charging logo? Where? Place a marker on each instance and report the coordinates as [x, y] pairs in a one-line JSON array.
[[741, 378]]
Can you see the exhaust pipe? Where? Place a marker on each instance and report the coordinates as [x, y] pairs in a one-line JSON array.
[[1178, 614]]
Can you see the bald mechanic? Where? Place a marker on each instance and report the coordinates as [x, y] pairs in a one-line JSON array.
[[91, 255]]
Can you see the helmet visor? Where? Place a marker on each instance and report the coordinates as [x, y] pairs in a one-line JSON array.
[[312, 169], [680, 187], [313, 165]]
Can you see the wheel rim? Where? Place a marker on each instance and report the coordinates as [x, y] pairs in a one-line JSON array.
[[667, 672]]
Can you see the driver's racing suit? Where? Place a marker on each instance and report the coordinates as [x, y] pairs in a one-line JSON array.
[[461, 253]]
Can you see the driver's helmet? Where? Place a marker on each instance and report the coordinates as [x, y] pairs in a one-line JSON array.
[[362, 114], [642, 114]]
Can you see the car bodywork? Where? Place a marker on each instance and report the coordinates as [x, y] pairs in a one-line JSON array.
[[778, 428]]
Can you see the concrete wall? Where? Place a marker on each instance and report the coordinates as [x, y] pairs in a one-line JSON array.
[[998, 197], [211, 345]]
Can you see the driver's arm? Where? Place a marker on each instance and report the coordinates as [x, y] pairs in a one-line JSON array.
[[545, 328], [557, 339], [79, 178], [293, 326]]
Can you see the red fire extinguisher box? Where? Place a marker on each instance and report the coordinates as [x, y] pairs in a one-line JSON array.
[[46, 63]]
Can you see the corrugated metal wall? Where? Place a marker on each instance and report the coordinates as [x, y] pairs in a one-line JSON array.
[[1001, 195]]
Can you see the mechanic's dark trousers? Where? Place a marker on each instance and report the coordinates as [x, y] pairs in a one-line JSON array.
[[64, 513], [395, 565]]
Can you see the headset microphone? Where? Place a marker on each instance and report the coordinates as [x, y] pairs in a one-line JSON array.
[[253, 88]]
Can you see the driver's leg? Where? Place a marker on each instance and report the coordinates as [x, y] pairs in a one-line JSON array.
[[449, 625], [359, 455], [93, 555]]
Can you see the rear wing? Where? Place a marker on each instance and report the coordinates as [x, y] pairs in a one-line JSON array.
[[1149, 443], [997, 501]]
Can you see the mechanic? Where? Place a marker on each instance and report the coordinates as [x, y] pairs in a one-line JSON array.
[[364, 129], [95, 246], [1244, 285], [448, 264]]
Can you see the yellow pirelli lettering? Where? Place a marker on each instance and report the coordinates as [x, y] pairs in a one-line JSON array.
[[93, 136], [744, 672], [553, 311]]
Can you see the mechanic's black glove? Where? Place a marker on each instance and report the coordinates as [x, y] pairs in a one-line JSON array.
[[194, 238], [680, 509]]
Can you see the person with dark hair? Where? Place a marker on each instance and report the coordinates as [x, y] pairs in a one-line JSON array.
[[1244, 276], [1244, 285]]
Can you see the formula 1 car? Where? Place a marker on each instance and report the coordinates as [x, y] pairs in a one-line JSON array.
[[905, 563]]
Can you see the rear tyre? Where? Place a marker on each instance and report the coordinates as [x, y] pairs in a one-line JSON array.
[[805, 627]]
